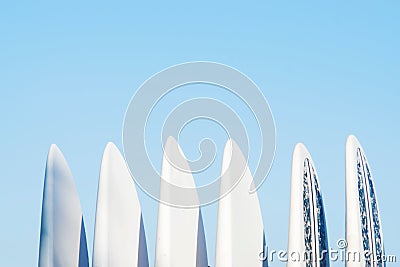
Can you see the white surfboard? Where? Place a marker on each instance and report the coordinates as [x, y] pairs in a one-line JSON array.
[[62, 232], [240, 230], [119, 237], [308, 239], [180, 240], [363, 223]]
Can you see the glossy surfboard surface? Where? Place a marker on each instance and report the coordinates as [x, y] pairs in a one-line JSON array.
[[62, 232], [119, 237], [180, 239], [240, 230]]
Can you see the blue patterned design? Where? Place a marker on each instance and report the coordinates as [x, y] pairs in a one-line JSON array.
[[311, 190], [322, 232], [369, 198], [307, 214], [363, 210]]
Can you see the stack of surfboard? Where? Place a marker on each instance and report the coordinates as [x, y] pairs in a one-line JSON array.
[[120, 240], [308, 239]]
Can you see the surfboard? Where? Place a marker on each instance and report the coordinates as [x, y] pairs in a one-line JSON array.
[[308, 239], [119, 236], [62, 232], [240, 229], [180, 239], [363, 223]]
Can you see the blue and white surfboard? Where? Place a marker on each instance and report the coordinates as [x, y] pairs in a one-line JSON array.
[[308, 239], [363, 224], [62, 232]]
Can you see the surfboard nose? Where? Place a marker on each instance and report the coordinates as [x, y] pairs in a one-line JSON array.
[[119, 237], [363, 222], [308, 238], [62, 233], [180, 232], [240, 230]]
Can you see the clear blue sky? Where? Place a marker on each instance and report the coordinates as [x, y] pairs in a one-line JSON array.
[[68, 71]]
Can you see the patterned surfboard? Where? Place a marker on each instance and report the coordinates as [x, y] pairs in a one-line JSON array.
[[363, 224], [308, 239]]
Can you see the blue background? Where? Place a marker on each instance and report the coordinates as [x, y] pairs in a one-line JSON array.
[[68, 71]]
